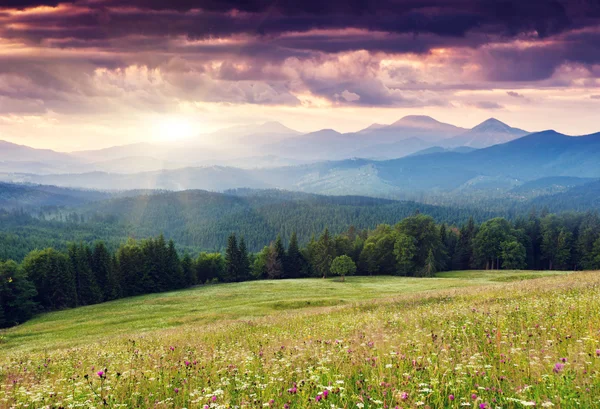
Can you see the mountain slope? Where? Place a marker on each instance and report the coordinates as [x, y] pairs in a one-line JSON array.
[[14, 196], [205, 219], [488, 133], [20, 153]]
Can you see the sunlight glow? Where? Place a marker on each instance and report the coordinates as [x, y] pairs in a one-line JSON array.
[[173, 128]]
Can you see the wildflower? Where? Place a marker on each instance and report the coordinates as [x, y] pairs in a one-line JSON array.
[[100, 374], [325, 393], [451, 397], [214, 398], [172, 348], [483, 406], [558, 367], [404, 396], [176, 390], [598, 352], [563, 360], [474, 396], [317, 398], [187, 363]]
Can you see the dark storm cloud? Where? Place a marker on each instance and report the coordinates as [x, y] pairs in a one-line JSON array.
[[452, 18], [253, 42]]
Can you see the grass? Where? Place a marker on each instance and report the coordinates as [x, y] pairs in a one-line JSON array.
[[207, 304], [462, 340]]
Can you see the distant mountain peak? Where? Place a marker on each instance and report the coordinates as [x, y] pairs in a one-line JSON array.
[[417, 120], [492, 124]]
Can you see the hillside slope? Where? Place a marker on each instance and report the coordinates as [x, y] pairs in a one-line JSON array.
[[187, 348]]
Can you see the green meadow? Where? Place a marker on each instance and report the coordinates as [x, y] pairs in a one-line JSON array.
[[221, 302], [506, 339]]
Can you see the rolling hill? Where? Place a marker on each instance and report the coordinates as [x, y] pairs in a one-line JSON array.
[[13, 196]]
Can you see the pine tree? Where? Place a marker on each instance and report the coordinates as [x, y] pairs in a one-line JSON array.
[[16, 295], [294, 261], [280, 255], [244, 261], [102, 269], [232, 260], [274, 266], [88, 291], [189, 271], [173, 270], [52, 275], [430, 265], [325, 253], [463, 256]]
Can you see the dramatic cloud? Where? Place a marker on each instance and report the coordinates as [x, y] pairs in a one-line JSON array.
[[125, 59]]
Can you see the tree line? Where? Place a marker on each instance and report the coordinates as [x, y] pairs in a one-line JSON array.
[[51, 279]]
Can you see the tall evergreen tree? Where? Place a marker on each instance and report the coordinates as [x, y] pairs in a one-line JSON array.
[[132, 268], [244, 261], [463, 256], [280, 255], [274, 265], [16, 295], [430, 267], [324, 254], [88, 291], [294, 261], [232, 259], [101, 266], [173, 270], [189, 270], [53, 278]]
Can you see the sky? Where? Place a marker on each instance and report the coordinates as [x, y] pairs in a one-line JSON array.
[[95, 73]]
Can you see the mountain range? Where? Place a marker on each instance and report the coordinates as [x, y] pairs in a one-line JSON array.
[[270, 144], [497, 168]]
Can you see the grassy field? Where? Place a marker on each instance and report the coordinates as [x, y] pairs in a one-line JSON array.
[[208, 304], [469, 339]]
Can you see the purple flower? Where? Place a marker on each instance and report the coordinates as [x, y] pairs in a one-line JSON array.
[[187, 363], [176, 390], [483, 406], [317, 398], [325, 393], [558, 367], [451, 397], [214, 398], [404, 396], [100, 374], [172, 348], [563, 360], [598, 352], [473, 396]]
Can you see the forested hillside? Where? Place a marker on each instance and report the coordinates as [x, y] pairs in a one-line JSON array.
[[200, 220], [85, 274]]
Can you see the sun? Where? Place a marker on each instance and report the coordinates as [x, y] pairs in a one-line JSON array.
[[172, 128]]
